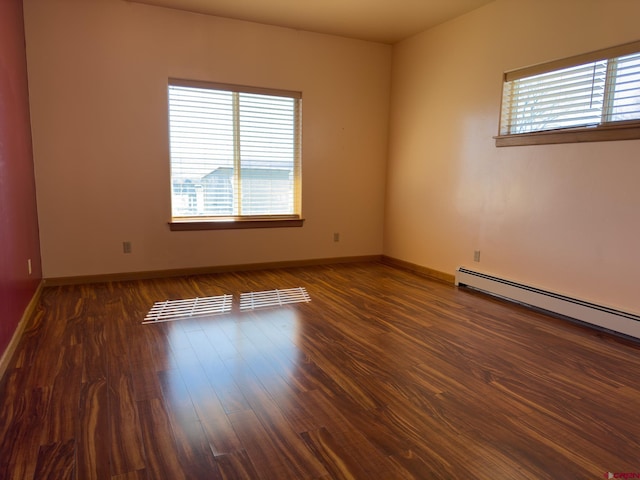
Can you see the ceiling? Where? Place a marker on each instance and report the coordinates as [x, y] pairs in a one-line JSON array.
[[386, 21]]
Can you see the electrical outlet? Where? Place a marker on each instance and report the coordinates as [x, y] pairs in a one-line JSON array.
[[336, 237], [126, 247], [476, 255]]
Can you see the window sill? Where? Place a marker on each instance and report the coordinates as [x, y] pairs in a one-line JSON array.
[[625, 131], [188, 224]]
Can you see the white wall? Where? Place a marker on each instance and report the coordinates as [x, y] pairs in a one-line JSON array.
[[563, 217], [98, 74]]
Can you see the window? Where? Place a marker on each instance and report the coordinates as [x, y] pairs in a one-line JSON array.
[[591, 97], [235, 156]]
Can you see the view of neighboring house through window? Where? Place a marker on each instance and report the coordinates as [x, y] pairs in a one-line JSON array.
[[235, 151], [588, 91]]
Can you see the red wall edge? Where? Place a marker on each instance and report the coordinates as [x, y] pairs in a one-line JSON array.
[[19, 240]]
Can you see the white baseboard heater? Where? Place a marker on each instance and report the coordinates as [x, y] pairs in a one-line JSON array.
[[605, 317]]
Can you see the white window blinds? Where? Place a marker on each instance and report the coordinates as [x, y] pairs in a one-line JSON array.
[[235, 151], [591, 93]]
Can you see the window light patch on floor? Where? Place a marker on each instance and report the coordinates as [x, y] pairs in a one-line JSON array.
[[273, 298], [170, 310]]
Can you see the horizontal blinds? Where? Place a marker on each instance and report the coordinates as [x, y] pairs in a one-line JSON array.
[[583, 95], [625, 101], [233, 153], [234, 88], [582, 59], [267, 154]]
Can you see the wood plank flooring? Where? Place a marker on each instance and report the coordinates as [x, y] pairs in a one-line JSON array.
[[383, 375]]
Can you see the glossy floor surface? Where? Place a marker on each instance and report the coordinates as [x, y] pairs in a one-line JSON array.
[[383, 375]]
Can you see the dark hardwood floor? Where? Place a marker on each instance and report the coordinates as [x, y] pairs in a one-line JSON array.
[[383, 375]]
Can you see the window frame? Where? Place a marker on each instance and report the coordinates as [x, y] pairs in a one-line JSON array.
[[604, 131], [201, 222]]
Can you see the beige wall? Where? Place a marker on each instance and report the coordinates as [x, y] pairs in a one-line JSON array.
[[563, 217], [97, 74]]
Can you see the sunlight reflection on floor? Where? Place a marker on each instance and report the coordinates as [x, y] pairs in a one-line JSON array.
[[219, 362]]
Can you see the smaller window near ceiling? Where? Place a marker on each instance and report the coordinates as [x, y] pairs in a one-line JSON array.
[[235, 156], [590, 97]]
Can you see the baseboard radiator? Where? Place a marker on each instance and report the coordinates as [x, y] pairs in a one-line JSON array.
[[600, 316]]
